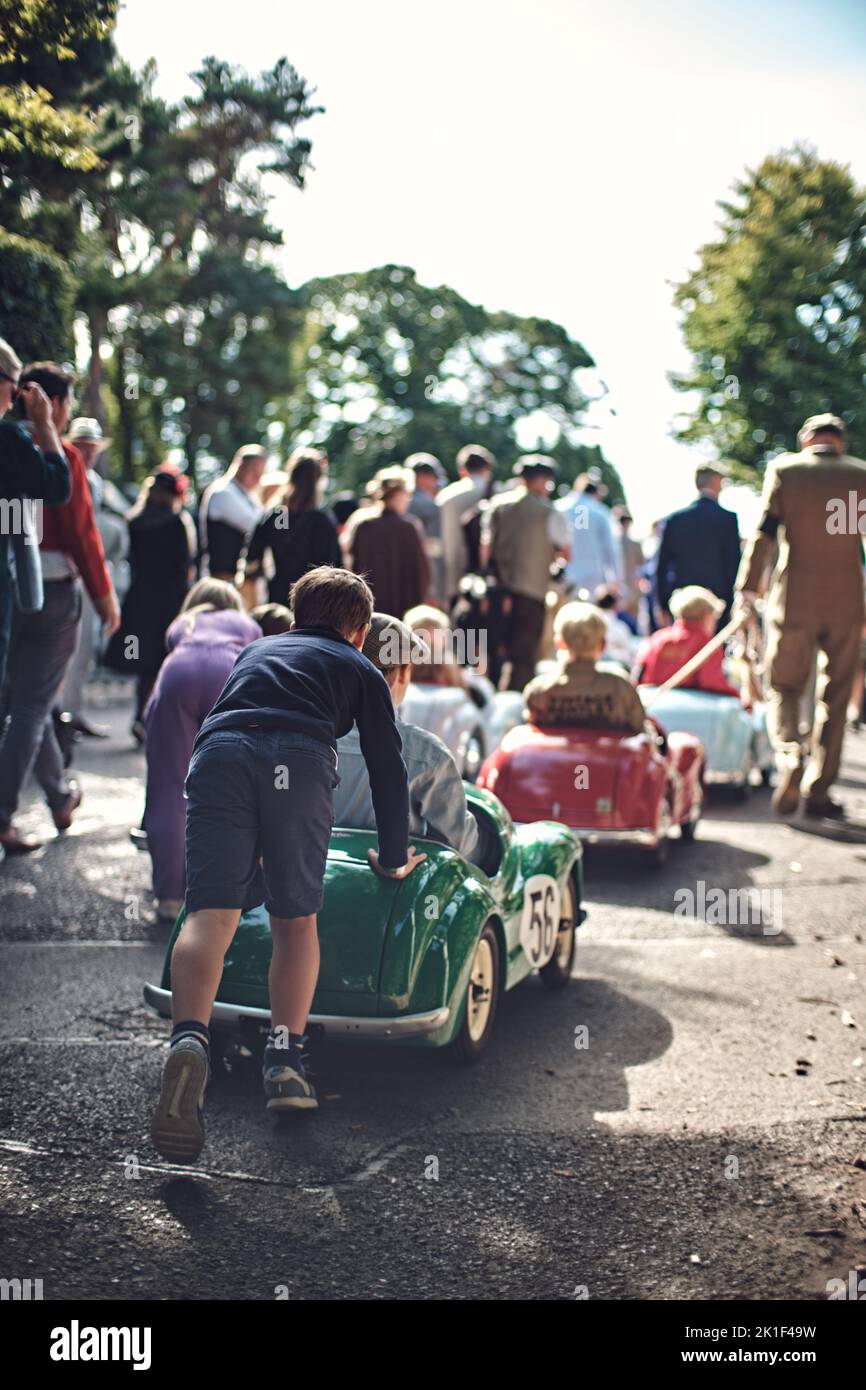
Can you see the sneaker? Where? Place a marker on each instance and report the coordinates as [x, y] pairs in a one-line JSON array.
[[177, 1127], [285, 1080], [786, 797]]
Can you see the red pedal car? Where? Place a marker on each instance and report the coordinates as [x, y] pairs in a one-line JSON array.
[[609, 787]]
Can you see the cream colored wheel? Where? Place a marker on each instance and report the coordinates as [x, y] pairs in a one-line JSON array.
[[567, 927], [482, 998], [557, 972], [480, 993]]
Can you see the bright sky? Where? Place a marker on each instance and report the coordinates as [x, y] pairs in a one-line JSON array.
[[552, 157]]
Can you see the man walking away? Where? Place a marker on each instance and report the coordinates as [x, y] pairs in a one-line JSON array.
[[700, 545], [456, 502], [522, 534], [811, 508], [595, 556], [429, 478], [631, 561]]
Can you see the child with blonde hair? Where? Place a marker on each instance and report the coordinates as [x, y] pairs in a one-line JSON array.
[[696, 612], [582, 689]]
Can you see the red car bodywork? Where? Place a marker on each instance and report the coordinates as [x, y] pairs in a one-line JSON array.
[[603, 784]]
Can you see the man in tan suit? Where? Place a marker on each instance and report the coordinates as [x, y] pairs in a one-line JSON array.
[[812, 508], [522, 533]]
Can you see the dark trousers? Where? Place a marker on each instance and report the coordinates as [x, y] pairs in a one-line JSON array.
[[42, 647], [525, 624]]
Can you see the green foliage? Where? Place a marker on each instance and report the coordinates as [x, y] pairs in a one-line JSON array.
[[193, 300], [36, 296], [49, 52], [43, 30], [773, 315], [385, 366]]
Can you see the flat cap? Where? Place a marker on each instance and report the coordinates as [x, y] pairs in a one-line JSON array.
[[822, 422], [536, 466]]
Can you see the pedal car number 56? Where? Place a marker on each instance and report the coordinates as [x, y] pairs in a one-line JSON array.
[[540, 921]]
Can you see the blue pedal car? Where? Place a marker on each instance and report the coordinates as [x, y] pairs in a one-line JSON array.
[[735, 740]]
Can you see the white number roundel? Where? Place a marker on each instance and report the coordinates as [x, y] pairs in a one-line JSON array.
[[539, 923]]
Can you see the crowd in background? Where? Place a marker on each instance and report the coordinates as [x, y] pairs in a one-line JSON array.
[[168, 588]]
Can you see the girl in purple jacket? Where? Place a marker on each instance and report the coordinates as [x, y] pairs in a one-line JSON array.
[[203, 642]]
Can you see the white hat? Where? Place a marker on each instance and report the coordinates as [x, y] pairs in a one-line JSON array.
[[88, 431]]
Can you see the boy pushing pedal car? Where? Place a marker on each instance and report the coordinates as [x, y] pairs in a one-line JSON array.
[[260, 787]]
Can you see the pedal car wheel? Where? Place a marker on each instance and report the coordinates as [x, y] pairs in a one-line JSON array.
[[557, 972], [482, 998]]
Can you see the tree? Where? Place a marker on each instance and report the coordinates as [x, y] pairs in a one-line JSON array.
[[50, 55], [773, 315], [385, 366], [179, 275], [161, 212], [36, 297]]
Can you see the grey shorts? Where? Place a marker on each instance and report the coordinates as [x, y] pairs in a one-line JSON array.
[[258, 821]]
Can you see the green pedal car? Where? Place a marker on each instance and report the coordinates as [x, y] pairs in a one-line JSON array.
[[424, 961]]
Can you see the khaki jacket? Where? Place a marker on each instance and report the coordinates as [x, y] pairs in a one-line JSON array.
[[812, 509], [579, 692], [525, 533]]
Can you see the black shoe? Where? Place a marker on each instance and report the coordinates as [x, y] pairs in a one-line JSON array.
[[177, 1128], [284, 1076], [825, 810]]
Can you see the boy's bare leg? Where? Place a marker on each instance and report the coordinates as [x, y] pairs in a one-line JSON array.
[[197, 961], [294, 971], [177, 1127]]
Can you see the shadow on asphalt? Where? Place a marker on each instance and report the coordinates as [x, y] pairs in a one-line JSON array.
[[844, 832], [570, 1048], [694, 873]]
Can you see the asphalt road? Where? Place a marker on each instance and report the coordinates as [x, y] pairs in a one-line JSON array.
[[708, 1142]]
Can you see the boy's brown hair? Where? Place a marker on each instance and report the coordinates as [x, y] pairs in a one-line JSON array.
[[330, 597]]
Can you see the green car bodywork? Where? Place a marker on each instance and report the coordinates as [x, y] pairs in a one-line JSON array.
[[396, 956]]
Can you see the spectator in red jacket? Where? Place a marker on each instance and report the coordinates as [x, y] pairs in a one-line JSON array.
[[696, 612], [43, 643]]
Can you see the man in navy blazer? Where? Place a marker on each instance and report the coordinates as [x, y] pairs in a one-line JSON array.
[[700, 545]]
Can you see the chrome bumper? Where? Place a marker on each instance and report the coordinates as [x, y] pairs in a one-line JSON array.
[[334, 1025], [643, 837]]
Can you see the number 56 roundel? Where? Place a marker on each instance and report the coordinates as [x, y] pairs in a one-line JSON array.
[[539, 923]]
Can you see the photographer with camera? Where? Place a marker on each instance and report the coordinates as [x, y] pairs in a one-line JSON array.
[[30, 467], [43, 641]]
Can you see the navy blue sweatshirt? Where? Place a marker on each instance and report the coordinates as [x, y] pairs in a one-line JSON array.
[[312, 681]]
